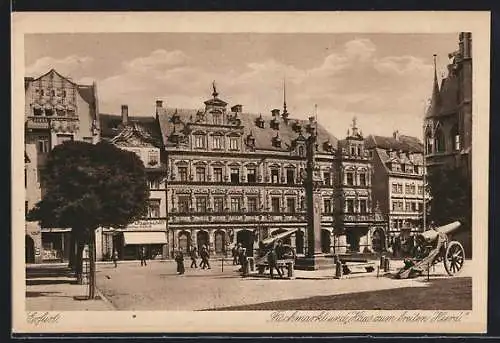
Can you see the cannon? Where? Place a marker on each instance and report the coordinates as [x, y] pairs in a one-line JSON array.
[[267, 245], [432, 247]]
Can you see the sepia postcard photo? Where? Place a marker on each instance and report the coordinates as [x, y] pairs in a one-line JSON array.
[[250, 172]]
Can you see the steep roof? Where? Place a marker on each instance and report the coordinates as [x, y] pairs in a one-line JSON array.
[[111, 126], [403, 142], [263, 136]]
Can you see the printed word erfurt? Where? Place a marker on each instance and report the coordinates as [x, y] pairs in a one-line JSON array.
[[39, 318]]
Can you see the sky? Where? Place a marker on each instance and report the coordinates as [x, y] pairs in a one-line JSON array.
[[384, 80]]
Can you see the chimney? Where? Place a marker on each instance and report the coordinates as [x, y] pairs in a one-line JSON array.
[[159, 104], [237, 108], [395, 134], [124, 114]]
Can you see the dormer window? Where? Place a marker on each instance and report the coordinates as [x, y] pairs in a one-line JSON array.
[[297, 127], [260, 122], [277, 141], [327, 146], [275, 124], [301, 150], [251, 140]]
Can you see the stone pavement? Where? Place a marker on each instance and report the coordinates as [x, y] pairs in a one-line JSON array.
[[158, 287], [52, 288]]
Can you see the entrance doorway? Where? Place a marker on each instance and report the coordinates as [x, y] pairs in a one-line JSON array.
[[352, 241], [378, 240], [326, 241], [220, 242], [246, 238], [299, 242], [29, 249], [202, 239], [184, 240]]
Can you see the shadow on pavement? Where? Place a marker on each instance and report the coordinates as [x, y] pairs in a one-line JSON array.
[[440, 294], [36, 282], [30, 294], [48, 271]]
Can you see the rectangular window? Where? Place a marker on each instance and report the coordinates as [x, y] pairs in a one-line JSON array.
[[350, 206], [201, 204], [64, 138], [153, 158], [184, 204], [394, 188], [350, 179], [183, 173], [275, 205], [43, 145], [217, 118], [200, 174], [154, 184], [199, 141], [407, 189], [362, 206], [327, 205], [233, 143], [275, 176], [408, 206], [235, 175], [420, 189], [400, 188], [290, 176], [326, 178], [413, 189], [218, 174], [251, 177], [290, 205], [218, 204], [153, 208], [415, 169], [362, 179], [252, 204], [235, 204], [414, 207], [218, 142]]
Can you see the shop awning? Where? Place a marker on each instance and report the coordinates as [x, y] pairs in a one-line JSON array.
[[134, 238], [279, 236]]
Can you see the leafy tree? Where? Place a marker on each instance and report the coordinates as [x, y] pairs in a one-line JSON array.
[[90, 186], [451, 196]]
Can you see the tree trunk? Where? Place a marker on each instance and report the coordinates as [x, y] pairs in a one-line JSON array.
[[92, 264], [72, 251], [79, 261]]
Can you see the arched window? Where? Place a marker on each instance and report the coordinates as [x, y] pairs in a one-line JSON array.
[[455, 138], [439, 141], [429, 143]]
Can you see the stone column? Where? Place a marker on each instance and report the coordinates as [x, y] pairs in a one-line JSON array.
[[211, 241], [194, 238]]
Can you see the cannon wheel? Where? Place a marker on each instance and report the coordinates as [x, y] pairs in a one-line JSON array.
[[454, 258]]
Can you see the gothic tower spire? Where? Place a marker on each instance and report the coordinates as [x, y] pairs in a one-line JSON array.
[[434, 105]]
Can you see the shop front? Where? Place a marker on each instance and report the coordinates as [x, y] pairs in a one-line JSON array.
[[55, 245], [128, 242]]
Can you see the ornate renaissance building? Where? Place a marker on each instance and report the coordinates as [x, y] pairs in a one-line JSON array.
[[56, 110]]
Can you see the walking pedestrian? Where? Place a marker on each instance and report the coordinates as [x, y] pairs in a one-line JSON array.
[[272, 260], [179, 258], [244, 262], [115, 258], [280, 253], [239, 249], [234, 253], [142, 255], [194, 256], [205, 255]]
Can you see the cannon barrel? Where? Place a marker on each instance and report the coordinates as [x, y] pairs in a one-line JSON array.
[[431, 235]]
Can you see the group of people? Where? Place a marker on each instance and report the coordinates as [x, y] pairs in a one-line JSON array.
[[277, 253], [193, 254]]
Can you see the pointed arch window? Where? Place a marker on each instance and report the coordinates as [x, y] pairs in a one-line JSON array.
[[439, 141]]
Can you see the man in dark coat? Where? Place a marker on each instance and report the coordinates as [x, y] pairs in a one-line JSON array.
[[204, 254], [142, 255], [272, 259], [179, 259], [194, 256]]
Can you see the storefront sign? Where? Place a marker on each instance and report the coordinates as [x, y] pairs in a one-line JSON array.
[[153, 224]]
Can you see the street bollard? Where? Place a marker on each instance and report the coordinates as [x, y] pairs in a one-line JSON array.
[[338, 270], [387, 264], [382, 262], [378, 270], [251, 263], [222, 264], [290, 271], [428, 271]]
